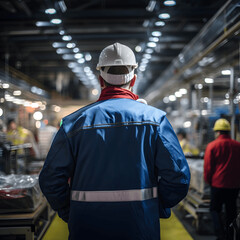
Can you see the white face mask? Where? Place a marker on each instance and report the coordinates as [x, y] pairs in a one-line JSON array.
[[117, 79]]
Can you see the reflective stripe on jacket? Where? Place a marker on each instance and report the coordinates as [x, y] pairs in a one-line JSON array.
[[125, 149]]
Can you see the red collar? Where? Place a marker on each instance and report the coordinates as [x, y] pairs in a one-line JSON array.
[[224, 136], [116, 92]]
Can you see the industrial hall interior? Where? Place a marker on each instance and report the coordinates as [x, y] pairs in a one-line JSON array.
[[120, 120]]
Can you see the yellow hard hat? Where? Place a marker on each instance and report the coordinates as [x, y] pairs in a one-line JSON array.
[[222, 125]]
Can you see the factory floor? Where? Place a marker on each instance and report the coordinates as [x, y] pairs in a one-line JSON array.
[[171, 229]]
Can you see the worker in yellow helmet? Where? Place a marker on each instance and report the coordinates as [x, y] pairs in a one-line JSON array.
[[221, 172], [188, 148]]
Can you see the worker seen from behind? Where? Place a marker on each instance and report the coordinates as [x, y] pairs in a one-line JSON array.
[[221, 172], [123, 158], [188, 148]]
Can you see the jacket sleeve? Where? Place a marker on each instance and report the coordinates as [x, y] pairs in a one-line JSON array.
[[208, 162], [57, 170], [172, 168]]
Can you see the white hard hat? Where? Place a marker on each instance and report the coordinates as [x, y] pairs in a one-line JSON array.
[[117, 54]]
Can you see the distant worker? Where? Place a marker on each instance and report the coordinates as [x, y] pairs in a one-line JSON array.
[[123, 158], [221, 172], [18, 135], [188, 148]]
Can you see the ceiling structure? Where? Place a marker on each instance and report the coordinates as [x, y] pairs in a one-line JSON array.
[[62, 56]]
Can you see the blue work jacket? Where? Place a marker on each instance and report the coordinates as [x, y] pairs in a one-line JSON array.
[[114, 168]]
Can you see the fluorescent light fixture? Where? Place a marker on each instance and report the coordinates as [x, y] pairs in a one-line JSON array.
[[153, 39], [151, 44], [61, 32], [1, 112], [172, 98], [72, 64], [178, 94], [226, 72], [209, 80], [56, 21], [88, 57], [38, 116], [183, 90], [78, 55], [50, 11], [56, 45], [67, 56], [62, 50], [156, 34], [159, 23], [147, 56], [146, 23], [76, 50], [71, 45], [17, 93], [5, 85], [226, 101], [66, 38], [149, 50], [142, 68], [81, 60], [144, 60], [164, 16], [42, 24], [62, 6], [151, 5], [86, 69], [169, 3], [95, 92], [138, 49], [166, 100], [187, 124]]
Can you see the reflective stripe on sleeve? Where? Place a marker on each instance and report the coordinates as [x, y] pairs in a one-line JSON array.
[[114, 196]]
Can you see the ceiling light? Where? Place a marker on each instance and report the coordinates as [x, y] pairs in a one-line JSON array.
[[67, 56], [178, 94], [187, 124], [169, 3], [159, 23], [76, 50], [38, 116], [153, 39], [5, 85], [71, 45], [81, 60], [151, 44], [62, 5], [17, 93], [172, 98], [56, 21], [95, 92], [88, 57], [198, 86], [209, 80], [72, 64], [142, 68], [86, 69], [226, 72], [56, 45], [61, 32], [149, 50], [1, 112], [164, 16], [166, 100], [78, 55], [147, 56], [183, 90], [50, 11], [66, 38], [151, 5], [144, 60], [138, 49], [156, 34]]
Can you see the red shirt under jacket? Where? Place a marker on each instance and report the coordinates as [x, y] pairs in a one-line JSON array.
[[222, 163]]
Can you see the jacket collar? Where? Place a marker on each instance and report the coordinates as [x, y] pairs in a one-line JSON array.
[[116, 92], [224, 136]]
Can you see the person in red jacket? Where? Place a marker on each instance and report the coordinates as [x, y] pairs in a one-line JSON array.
[[221, 172]]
